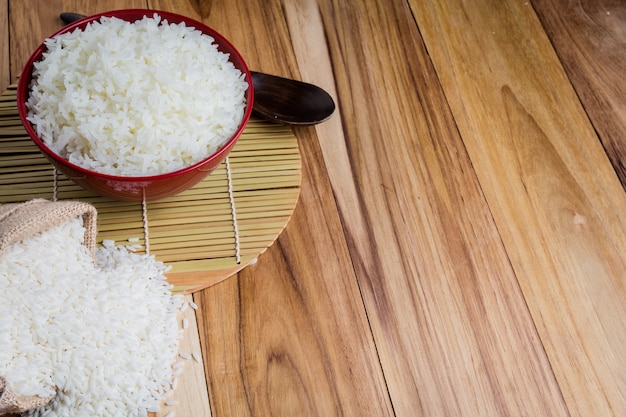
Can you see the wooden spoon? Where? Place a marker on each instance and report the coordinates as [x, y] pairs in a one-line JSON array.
[[280, 100]]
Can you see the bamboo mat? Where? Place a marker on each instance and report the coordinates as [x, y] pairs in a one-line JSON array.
[[206, 233]]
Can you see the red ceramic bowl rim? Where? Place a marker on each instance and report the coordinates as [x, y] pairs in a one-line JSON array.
[[135, 14]]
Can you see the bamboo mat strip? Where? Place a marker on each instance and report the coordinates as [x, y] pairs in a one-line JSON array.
[[193, 232]]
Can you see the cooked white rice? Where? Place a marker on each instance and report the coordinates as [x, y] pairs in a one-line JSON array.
[[102, 339], [135, 99]]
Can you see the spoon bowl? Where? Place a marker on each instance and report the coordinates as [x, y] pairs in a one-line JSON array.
[[277, 99], [288, 101]]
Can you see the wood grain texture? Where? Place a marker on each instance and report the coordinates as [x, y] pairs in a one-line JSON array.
[[422, 242], [289, 335], [555, 199], [590, 40], [458, 247], [5, 78], [190, 396]]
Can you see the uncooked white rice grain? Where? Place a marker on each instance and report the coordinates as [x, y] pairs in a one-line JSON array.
[[184, 355], [196, 356], [193, 305], [68, 324], [108, 243]]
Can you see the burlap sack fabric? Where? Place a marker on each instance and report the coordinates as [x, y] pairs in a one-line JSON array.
[[17, 222], [12, 403]]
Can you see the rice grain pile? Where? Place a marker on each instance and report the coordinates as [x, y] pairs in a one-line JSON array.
[[135, 99], [102, 339]]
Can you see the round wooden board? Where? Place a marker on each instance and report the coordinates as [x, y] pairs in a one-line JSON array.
[[205, 234]]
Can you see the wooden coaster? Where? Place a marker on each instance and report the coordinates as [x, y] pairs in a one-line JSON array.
[[207, 233]]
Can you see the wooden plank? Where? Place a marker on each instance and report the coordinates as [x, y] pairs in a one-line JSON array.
[[189, 397], [4, 45], [553, 193], [589, 38], [428, 256]]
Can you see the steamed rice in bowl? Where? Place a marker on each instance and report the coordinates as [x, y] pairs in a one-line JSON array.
[[135, 99], [140, 96]]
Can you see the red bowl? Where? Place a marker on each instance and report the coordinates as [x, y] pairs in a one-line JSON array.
[[137, 188]]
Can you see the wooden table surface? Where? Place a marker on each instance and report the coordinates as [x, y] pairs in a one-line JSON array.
[[459, 246]]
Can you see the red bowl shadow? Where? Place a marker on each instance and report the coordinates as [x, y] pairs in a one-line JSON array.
[[136, 188]]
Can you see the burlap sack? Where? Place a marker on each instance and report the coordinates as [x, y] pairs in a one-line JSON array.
[[17, 222], [11, 403]]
